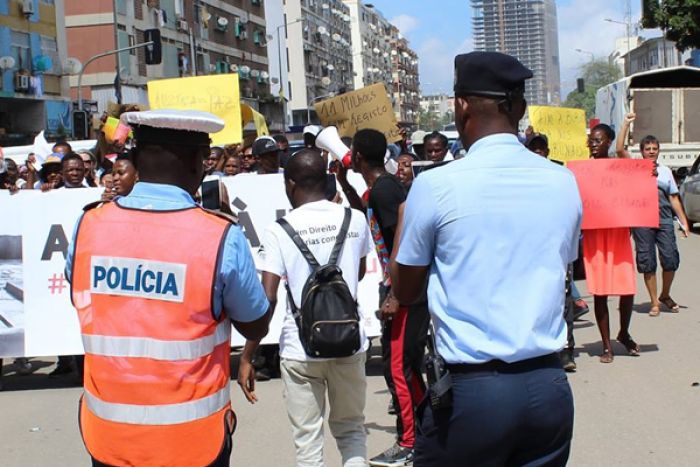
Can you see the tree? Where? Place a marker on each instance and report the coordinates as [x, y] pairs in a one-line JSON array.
[[596, 74], [680, 21]]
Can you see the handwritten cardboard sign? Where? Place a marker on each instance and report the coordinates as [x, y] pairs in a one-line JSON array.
[[217, 94], [565, 130], [368, 107], [617, 193]]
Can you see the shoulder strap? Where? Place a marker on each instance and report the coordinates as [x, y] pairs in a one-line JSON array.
[[308, 256], [340, 239]]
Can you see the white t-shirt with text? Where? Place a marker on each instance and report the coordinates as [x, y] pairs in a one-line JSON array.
[[318, 224]]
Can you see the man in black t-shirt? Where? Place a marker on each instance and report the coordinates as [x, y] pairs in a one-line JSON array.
[[404, 328]]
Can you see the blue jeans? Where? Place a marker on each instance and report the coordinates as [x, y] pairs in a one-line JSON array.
[[500, 418]]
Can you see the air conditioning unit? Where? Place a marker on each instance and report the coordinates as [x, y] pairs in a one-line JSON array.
[[182, 25], [27, 7], [21, 82]]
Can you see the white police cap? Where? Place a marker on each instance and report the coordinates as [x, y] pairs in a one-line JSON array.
[[170, 119]]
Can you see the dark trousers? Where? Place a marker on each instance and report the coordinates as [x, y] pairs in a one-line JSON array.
[[516, 416], [403, 349]]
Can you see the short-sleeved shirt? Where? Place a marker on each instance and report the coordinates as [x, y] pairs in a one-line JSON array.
[[318, 224], [667, 187], [237, 287], [498, 230]]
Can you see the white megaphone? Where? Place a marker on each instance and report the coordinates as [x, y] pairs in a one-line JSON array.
[[329, 140]]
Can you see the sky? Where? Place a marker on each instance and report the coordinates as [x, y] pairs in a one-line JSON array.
[[440, 29]]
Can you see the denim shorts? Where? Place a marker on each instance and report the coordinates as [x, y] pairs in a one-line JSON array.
[[647, 240]]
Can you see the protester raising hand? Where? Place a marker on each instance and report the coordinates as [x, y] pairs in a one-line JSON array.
[[620, 148]]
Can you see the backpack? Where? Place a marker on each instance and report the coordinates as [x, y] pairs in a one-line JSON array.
[[328, 319]]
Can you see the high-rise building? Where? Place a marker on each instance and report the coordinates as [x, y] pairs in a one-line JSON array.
[[198, 38], [527, 30], [33, 85], [320, 64]]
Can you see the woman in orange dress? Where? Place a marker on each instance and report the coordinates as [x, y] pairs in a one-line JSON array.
[[609, 264]]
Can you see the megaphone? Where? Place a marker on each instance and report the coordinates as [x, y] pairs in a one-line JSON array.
[[329, 140]]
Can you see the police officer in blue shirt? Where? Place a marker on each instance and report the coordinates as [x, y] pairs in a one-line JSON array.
[[493, 234]]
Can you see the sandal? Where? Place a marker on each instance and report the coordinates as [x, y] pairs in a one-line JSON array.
[[670, 304], [631, 346], [607, 356], [655, 311]]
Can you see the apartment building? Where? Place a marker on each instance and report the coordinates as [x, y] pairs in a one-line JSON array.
[[405, 80], [33, 85], [319, 63], [199, 37]]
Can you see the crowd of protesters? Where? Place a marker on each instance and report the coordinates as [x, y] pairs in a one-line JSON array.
[[389, 172]]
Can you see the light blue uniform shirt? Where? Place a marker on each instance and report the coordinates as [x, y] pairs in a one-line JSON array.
[[498, 229], [237, 286]]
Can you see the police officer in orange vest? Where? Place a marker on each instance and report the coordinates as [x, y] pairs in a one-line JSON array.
[[157, 282]]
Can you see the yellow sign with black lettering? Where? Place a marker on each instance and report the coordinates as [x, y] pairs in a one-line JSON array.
[[369, 107], [565, 129], [216, 94]]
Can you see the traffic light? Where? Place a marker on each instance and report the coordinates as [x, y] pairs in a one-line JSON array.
[[81, 129], [580, 85], [153, 51]]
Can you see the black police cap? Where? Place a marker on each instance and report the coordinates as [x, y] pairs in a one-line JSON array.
[[489, 74]]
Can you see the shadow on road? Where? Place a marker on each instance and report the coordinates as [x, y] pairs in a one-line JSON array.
[[644, 308], [37, 379], [594, 349], [375, 426]]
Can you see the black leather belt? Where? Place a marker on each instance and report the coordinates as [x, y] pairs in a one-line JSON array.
[[545, 361]]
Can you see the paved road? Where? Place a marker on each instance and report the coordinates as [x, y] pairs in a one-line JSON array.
[[637, 411]]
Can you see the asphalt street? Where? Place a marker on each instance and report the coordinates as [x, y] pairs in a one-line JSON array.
[[642, 411]]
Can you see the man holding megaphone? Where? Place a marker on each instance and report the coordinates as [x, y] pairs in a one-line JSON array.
[[404, 329]]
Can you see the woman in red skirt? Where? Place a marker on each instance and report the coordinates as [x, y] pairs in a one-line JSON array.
[[609, 264]]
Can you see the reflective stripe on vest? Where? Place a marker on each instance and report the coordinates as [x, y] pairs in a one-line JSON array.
[[144, 347], [170, 414]]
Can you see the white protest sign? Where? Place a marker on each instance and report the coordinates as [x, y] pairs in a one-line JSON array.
[[36, 314], [260, 200]]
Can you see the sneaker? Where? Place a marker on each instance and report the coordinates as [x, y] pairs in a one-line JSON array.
[[393, 457], [567, 360], [391, 410], [24, 367], [60, 370], [580, 308]]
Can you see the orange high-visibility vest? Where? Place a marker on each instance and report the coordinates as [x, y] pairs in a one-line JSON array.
[[156, 360]]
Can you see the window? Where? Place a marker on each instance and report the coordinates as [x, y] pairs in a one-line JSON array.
[[19, 44], [50, 49]]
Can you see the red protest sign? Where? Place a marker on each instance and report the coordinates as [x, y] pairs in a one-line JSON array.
[[617, 193]]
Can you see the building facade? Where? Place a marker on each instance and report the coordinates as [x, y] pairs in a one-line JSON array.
[[319, 63], [527, 30], [34, 88], [654, 54], [405, 81], [372, 37], [199, 37]]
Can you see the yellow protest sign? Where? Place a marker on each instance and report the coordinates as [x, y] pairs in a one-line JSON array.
[[565, 129], [368, 107], [217, 94]]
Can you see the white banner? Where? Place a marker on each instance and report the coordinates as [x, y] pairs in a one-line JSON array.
[[36, 314]]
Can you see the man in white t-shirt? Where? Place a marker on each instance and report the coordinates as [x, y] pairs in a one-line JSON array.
[[306, 380]]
